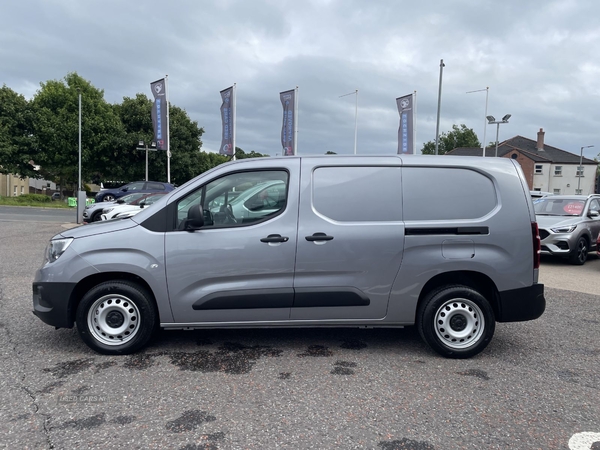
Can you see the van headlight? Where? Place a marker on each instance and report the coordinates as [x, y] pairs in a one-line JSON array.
[[567, 229], [57, 247]]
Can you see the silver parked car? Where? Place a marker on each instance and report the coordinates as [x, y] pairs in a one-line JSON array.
[[569, 225]]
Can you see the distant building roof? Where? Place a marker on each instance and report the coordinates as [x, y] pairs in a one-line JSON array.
[[527, 147]]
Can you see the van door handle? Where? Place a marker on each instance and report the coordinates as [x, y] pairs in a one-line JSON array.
[[318, 237], [275, 238]]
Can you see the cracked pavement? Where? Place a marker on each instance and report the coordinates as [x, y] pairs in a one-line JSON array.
[[536, 385]]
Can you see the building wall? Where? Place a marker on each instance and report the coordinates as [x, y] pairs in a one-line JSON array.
[[12, 186], [528, 169], [568, 181], [526, 164], [39, 186], [548, 181]]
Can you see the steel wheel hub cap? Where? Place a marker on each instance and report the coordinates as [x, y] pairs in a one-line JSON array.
[[113, 320], [459, 323]]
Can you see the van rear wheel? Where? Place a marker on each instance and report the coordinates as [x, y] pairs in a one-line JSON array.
[[456, 321], [116, 318]]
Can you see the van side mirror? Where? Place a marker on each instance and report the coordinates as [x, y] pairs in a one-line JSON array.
[[593, 213], [120, 201], [196, 218]]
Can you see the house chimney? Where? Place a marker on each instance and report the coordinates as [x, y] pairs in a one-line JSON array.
[[540, 141]]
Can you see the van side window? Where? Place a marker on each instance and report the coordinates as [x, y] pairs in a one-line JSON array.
[[238, 199], [358, 194], [446, 193]]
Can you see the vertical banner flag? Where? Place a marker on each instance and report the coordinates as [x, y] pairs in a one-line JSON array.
[[288, 101], [159, 114], [405, 131], [227, 118]]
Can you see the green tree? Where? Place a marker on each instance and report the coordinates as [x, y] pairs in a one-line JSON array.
[[185, 135], [329, 152], [458, 137], [241, 154], [16, 139], [134, 114], [56, 127]]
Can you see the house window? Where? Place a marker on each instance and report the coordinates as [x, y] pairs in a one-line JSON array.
[[556, 191], [578, 191], [558, 171], [22, 190], [15, 190], [538, 169], [514, 156], [579, 171]]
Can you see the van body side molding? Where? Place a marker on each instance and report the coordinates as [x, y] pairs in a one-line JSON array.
[[283, 298], [460, 231], [247, 299], [330, 296]]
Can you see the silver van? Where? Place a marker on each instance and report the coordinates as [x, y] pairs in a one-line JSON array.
[[447, 244]]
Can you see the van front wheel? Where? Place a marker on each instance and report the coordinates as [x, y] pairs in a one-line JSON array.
[[116, 318], [456, 321]]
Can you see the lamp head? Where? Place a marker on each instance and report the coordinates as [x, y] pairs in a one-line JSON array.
[[491, 119], [153, 144], [140, 143], [505, 118]]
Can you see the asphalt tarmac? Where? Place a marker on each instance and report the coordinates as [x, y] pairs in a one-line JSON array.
[[536, 386]]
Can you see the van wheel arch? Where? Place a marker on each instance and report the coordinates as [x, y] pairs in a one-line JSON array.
[[88, 283], [475, 280]]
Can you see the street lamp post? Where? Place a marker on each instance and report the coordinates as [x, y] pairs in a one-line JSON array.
[[492, 120], [355, 115], [144, 146], [581, 168], [81, 194], [487, 91]]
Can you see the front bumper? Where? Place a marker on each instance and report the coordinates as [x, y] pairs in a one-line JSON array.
[[559, 244], [521, 304], [52, 303]]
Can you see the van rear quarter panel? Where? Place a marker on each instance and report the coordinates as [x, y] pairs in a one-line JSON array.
[[505, 255]]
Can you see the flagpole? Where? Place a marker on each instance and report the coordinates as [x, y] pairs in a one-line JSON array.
[[355, 121], [484, 145], [168, 136], [234, 121], [437, 126], [414, 121], [296, 122]]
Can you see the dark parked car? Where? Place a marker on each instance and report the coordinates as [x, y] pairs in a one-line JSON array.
[[109, 195]]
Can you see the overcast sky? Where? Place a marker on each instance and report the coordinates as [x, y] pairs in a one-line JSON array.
[[540, 59]]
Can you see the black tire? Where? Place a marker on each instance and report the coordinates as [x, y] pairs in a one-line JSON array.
[[108, 198], [116, 318], [96, 216], [579, 254], [456, 321]]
